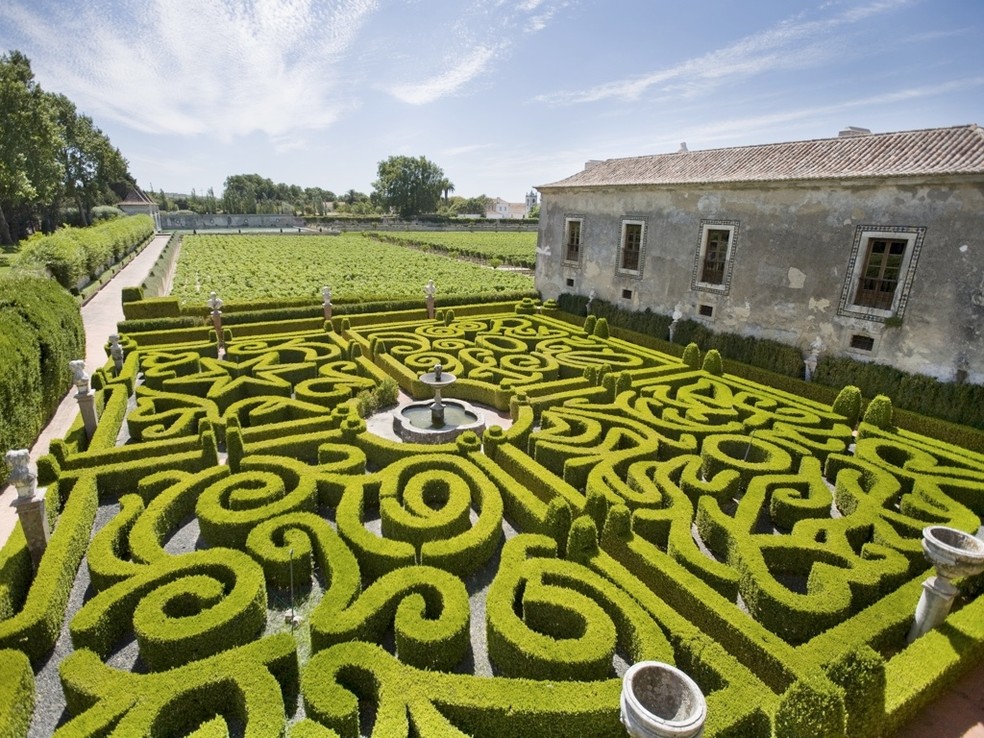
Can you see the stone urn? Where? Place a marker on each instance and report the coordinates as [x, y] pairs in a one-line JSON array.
[[660, 701], [955, 554]]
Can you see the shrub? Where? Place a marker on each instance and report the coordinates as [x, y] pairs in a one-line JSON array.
[[712, 363], [879, 412], [691, 355], [848, 404]]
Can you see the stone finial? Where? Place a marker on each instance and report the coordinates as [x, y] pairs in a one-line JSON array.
[[437, 371], [21, 475], [430, 289], [214, 302], [80, 378], [326, 294]]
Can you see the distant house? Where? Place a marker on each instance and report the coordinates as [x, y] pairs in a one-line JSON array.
[[137, 202], [499, 208], [871, 243]]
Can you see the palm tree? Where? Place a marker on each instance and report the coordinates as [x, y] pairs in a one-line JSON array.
[[447, 187]]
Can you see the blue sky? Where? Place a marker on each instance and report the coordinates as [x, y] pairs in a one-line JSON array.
[[502, 94]]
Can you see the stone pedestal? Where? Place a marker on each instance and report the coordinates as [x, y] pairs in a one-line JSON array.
[[34, 523], [934, 605], [87, 406]]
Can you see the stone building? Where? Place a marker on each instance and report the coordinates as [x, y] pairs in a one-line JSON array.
[[137, 202], [871, 243]]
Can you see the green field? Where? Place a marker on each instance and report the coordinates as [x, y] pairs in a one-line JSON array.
[[259, 267], [517, 249]]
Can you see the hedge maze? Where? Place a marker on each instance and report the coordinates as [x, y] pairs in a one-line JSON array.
[[636, 507]]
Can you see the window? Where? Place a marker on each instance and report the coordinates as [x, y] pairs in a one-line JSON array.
[[572, 239], [705, 310], [626, 294], [865, 343], [569, 282], [880, 272], [715, 255], [630, 254], [880, 275]]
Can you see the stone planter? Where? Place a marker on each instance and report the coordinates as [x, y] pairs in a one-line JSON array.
[[660, 701]]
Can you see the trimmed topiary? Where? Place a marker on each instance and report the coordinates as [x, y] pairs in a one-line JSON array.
[[848, 404], [879, 412], [691, 355], [713, 363]]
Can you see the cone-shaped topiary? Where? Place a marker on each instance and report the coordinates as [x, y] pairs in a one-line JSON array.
[[691, 355], [848, 404], [589, 324], [601, 328], [713, 363], [879, 412]]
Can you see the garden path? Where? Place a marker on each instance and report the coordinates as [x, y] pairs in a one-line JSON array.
[[958, 714]]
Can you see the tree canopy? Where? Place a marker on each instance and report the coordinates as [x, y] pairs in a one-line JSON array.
[[410, 185], [50, 156]]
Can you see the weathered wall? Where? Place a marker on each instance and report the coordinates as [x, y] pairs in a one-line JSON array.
[[791, 258]]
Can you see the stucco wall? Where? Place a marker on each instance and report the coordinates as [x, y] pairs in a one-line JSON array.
[[791, 258]]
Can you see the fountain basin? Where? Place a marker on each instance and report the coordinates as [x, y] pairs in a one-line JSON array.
[[416, 422], [953, 552]]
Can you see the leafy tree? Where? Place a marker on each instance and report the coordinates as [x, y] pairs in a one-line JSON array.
[[31, 172], [95, 172], [409, 185], [472, 205]]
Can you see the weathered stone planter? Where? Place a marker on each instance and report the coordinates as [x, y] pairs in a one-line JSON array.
[[954, 554], [660, 701]]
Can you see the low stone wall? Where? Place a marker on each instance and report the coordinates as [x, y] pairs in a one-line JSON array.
[[188, 222]]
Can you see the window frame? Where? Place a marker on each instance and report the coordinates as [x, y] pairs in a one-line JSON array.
[[706, 226], [620, 268], [864, 235], [568, 220]]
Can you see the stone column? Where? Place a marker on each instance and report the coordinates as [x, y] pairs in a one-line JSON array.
[[29, 503], [326, 301], [215, 303], [116, 351], [85, 396]]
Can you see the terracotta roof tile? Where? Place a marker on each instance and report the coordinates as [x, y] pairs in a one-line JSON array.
[[935, 151]]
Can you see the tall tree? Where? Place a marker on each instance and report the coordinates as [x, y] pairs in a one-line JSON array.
[[30, 141], [409, 185], [95, 172]]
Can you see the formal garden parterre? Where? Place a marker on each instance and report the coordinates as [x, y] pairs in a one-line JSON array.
[[639, 506]]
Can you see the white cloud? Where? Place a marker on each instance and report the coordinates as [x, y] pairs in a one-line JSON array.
[[447, 82], [790, 44]]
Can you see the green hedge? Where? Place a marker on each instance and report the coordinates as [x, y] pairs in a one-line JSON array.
[[40, 333], [16, 694], [945, 403], [73, 255]]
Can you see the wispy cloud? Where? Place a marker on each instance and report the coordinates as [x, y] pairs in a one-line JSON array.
[[793, 43], [191, 66], [284, 68], [448, 81]]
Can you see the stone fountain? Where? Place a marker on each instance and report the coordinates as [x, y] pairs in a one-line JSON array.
[[438, 420], [954, 554]]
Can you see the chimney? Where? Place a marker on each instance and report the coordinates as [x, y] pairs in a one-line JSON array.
[[683, 148], [591, 164], [854, 131]]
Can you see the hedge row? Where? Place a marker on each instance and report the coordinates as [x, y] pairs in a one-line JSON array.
[[74, 255], [251, 685], [40, 333], [956, 403]]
